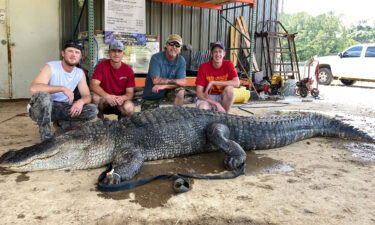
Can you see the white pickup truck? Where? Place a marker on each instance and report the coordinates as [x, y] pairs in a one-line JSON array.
[[356, 63]]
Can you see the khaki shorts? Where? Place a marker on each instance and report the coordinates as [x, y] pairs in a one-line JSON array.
[[216, 98], [154, 103]]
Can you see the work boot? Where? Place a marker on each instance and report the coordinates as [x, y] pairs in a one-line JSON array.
[[149, 104]]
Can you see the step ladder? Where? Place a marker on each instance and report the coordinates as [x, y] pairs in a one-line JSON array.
[[278, 51]]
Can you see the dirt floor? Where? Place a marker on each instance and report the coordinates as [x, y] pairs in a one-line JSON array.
[[315, 181]]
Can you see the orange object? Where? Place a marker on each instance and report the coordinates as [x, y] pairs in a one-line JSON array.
[[245, 82], [211, 4], [140, 81]]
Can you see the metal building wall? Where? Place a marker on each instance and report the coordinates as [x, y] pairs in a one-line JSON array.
[[197, 26]]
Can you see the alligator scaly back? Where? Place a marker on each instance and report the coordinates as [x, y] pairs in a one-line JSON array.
[[255, 132], [169, 132]]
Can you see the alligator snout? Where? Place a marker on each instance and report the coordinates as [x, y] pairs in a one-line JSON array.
[[6, 156]]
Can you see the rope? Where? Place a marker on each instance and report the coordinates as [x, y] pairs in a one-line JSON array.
[[20, 114], [276, 104], [180, 183]]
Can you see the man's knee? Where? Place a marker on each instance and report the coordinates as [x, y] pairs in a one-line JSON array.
[[127, 108], [96, 99], [40, 107], [204, 105], [229, 91], [40, 99], [180, 94]]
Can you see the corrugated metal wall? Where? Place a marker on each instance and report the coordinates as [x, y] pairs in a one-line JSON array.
[[197, 26]]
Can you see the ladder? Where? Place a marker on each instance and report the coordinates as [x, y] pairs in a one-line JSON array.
[[278, 50]]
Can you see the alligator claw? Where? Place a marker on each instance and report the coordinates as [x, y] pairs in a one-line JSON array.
[[113, 178], [234, 162]]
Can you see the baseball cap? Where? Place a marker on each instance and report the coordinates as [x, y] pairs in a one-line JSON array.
[[116, 45], [217, 44], [174, 37], [73, 44]]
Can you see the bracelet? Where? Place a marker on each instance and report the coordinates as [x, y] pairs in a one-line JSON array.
[[171, 82]]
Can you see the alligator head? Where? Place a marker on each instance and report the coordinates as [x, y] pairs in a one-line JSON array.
[[72, 150]]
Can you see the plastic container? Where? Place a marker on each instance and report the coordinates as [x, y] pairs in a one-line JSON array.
[[242, 95]]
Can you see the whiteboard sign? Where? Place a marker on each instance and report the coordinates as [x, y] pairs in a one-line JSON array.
[[125, 16]]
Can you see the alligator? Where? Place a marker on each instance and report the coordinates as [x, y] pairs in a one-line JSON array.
[[170, 132]]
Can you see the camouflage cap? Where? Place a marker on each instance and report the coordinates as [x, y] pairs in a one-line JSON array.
[[174, 37]]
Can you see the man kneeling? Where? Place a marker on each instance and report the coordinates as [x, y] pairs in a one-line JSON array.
[[113, 84], [52, 94], [216, 81]]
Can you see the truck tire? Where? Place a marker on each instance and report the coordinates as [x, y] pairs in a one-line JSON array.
[[347, 82], [325, 76]]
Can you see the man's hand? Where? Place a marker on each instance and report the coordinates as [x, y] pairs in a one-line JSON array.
[[217, 106], [220, 108], [68, 94], [158, 87], [209, 86], [120, 99], [111, 100], [76, 108]]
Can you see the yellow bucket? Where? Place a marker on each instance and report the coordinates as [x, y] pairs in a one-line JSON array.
[[242, 95]]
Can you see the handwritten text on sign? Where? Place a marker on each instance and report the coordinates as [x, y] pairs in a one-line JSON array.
[[125, 16]]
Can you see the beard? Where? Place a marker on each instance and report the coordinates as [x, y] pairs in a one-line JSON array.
[[172, 54], [70, 63]]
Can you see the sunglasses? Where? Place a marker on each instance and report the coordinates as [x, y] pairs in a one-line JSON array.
[[174, 44], [73, 44]]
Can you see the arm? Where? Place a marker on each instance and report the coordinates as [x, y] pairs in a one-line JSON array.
[[40, 84], [235, 82], [95, 87], [77, 106], [204, 96], [156, 80], [128, 96], [161, 83]]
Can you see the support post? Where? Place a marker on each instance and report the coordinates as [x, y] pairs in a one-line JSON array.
[[74, 18], [252, 39], [91, 36]]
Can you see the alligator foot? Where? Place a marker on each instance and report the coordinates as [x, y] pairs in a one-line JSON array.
[[218, 135], [112, 178], [234, 162]]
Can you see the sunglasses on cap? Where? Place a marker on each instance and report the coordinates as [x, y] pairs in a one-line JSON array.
[[174, 43], [73, 44]]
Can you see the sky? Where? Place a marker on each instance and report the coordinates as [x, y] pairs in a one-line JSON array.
[[351, 11]]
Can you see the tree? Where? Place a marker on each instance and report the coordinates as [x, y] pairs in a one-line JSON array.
[[320, 35], [362, 33]]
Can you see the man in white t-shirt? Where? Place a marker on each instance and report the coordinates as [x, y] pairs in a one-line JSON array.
[[52, 93]]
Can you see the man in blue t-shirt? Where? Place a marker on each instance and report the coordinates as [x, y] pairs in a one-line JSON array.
[[166, 76]]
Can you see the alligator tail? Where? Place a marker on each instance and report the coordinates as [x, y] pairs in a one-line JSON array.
[[338, 128]]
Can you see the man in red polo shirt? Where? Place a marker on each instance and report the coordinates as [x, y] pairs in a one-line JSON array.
[[113, 84], [216, 81]]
